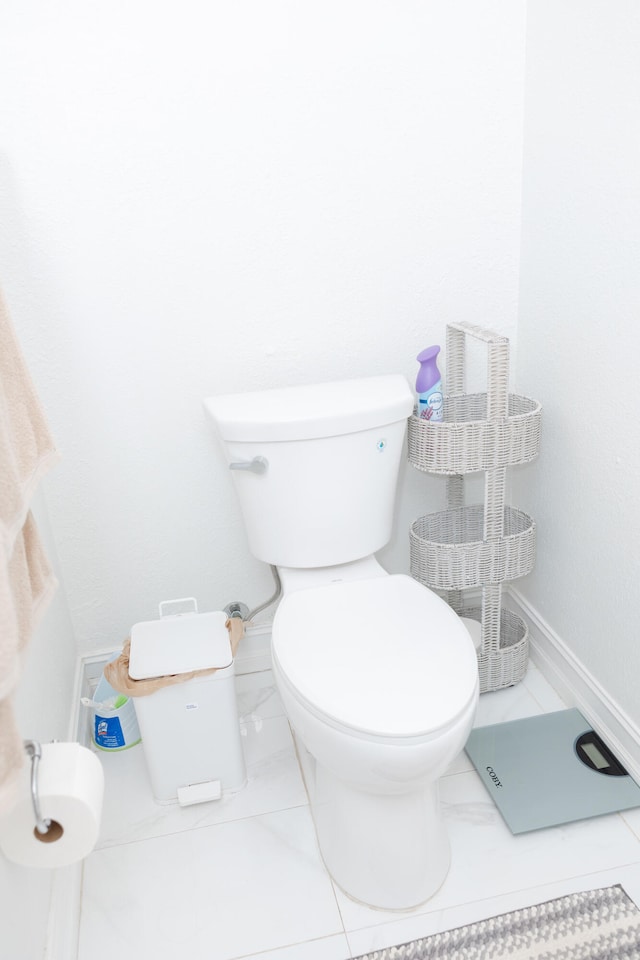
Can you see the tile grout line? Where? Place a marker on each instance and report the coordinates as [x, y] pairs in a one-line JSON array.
[[488, 900], [203, 826], [287, 946], [315, 832]]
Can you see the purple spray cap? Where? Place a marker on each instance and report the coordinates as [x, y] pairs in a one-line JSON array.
[[428, 374]]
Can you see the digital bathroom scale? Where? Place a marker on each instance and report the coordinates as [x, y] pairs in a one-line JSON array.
[[550, 769]]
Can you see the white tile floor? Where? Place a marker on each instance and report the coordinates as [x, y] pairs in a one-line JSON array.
[[242, 877]]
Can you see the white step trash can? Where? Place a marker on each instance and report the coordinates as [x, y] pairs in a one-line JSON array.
[[190, 730]]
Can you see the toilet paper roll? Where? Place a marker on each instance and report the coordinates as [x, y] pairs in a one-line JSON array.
[[70, 789]]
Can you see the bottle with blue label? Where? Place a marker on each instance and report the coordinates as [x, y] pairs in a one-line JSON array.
[[429, 386], [115, 725]]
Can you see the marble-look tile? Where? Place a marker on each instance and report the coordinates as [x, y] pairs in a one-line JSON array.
[[540, 688], [257, 696], [511, 703], [498, 706], [190, 891], [487, 861], [632, 819], [215, 893], [274, 783], [328, 948], [407, 928]]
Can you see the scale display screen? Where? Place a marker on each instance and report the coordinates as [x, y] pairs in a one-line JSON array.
[[597, 758], [550, 769]]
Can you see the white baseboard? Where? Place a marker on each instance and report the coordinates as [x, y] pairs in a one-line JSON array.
[[63, 924], [578, 687]]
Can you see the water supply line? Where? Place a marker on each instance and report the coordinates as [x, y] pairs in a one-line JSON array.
[[241, 610]]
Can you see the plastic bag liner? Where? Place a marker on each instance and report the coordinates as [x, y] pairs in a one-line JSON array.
[[117, 672]]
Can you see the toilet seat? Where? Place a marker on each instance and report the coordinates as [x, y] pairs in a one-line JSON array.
[[384, 656]]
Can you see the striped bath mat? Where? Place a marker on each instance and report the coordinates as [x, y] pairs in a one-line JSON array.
[[596, 925]]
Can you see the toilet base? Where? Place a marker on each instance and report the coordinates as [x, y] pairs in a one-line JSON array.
[[390, 852]]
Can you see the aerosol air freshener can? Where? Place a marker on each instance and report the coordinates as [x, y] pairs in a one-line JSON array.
[[429, 386]]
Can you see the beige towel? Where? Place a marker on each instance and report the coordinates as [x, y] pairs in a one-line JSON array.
[[11, 756], [26, 580], [26, 447], [25, 591]]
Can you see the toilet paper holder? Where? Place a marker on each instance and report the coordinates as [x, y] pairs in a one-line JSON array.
[[34, 751]]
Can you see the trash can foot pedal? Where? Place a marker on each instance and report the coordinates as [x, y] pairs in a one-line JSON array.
[[199, 792]]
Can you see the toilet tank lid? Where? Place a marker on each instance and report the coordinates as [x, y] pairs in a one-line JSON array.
[[311, 411], [173, 645]]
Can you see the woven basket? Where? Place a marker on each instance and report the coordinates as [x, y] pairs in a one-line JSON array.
[[465, 547], [466, 441], [448, 551], [505, 649]]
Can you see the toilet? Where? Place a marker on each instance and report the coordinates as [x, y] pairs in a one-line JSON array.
[[378, 676]]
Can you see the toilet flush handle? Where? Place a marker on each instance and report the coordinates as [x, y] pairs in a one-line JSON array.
[[257, 465]]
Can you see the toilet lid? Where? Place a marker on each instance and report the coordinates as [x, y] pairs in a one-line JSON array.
[[384, 656]]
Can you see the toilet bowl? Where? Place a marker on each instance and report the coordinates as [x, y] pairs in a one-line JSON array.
[[380, 683], [377, 674]]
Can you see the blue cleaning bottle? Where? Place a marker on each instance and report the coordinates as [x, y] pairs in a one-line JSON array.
[[429, 386]]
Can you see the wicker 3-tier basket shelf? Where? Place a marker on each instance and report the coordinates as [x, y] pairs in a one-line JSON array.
[[462, 549]]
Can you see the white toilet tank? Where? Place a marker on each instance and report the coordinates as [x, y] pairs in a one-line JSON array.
[[316, 466]]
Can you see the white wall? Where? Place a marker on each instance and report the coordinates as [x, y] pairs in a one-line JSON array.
[[43, 712], [578, 340], [216, 196]]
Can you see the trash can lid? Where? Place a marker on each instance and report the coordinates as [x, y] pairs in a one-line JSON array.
[[192, 641]]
